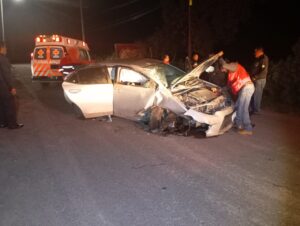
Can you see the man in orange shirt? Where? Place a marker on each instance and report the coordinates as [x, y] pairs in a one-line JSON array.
[[241, 86]]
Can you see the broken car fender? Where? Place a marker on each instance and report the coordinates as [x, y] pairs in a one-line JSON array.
[[215, 121]]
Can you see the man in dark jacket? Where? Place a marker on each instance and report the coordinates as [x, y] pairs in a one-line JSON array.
[[191, 64], [8, 115], [259, 76]]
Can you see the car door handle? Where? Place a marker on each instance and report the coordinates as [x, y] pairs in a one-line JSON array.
[[74, 90]]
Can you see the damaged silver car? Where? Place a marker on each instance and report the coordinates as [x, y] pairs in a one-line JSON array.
[[160, 95]]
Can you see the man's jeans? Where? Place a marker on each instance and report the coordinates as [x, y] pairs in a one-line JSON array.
[[257, 96], [242, 119]]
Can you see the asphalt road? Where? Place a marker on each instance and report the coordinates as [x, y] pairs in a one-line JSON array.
[[59, 170]]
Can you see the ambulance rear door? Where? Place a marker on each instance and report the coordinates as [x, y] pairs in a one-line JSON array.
[[46, 61]]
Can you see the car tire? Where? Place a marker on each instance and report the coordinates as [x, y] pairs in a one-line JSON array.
[[156, 118], [78, 112]]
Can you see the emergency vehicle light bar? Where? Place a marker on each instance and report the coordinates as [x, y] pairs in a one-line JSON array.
[[44, 38], [56, 38], [51, 39]]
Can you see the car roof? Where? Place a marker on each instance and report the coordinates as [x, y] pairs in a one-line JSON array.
[[137, 64], [144, 62]]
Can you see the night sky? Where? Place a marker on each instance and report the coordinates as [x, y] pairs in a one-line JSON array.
[[273, 25], [270, 24]]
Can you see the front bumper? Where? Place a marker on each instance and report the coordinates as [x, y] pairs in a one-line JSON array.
[[218, 123]]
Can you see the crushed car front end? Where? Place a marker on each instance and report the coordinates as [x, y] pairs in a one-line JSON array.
[[209, 106], [201, 104]]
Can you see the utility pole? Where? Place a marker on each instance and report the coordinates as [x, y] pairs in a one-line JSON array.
[[82, 22], [189, 29], [2, 21]]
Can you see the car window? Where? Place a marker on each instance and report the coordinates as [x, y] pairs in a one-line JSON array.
[[130, 77], [56, 53], [83, 54], [72, 78], [172, 73], [112, 72], [40, 53], [97, 75], [166, 73]]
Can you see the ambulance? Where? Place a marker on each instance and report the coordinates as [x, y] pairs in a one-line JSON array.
[[55, 56]]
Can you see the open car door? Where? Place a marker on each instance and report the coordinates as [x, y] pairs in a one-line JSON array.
[[132, 91], [91, 90]]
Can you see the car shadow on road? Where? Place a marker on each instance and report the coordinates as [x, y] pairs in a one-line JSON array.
[[52, 96]]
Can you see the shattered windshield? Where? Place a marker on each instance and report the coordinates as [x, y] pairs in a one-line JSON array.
[[166, 73]]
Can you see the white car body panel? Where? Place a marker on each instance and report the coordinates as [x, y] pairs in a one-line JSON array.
[[130, 100], [214, 121], [171, 103], [94, 100], [129, 96]]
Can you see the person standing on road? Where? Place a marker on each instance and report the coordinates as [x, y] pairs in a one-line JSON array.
[[8, 114], [259, 76], [240, 83]]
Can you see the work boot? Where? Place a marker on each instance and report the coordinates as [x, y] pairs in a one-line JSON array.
[[245, 132], [237, 127]]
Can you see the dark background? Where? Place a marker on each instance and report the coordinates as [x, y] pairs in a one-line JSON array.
[[270, 24]]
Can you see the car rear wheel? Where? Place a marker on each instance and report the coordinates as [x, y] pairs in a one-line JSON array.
[[78, 112]]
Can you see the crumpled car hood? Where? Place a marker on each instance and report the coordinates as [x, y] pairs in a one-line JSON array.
[[190, 92], [198, 94], [202, 96], [198, 70], [205, 102]]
